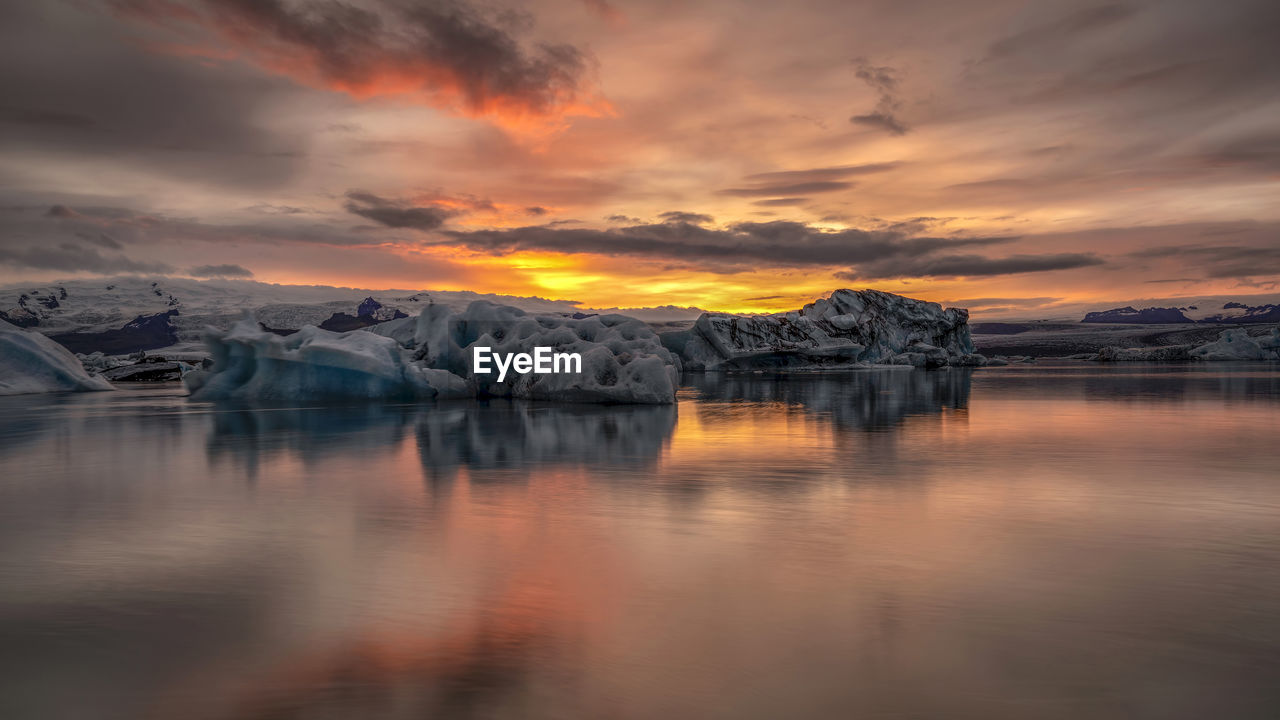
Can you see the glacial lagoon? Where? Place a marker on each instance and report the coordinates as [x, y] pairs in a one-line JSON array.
[[1044, 541]]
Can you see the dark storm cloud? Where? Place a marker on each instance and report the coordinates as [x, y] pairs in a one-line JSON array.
[[114, 227], [1222, 261], [1257, 152], [29, 116], [445, 52], [219, 271], [822, 186], [1246, 159], [61, 211], [884, 80], [993, 301], [967, 266], [793, 183], [79, 226], [102, 240], [67, 257], [679, 216], [397, 213], [75, 93], [821, 174], [883, 120], [1174, 65], [781, 202], [271, 209], [777, 243]]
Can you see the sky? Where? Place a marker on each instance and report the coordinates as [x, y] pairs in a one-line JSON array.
[[733, 155]]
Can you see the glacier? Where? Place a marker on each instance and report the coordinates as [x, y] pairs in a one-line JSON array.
[[1232, 345], [849, 327], [249, 363], [624, 361], [32, 363], [1238, 345], [428, 356]]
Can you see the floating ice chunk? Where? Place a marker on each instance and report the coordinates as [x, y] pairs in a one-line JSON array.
[[1237, 345], [252, 364], [1164, 353], [866, 326], [622, 360], [32, 363]]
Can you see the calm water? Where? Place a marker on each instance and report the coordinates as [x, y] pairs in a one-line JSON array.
[[1071, 542]]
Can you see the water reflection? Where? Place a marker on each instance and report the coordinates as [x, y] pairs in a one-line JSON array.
[[877, 399], [520, 437], [248, 437], [498, 440], [1142, 382], [1029, 542]]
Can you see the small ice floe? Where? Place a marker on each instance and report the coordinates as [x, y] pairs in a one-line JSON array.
[[32, 363]]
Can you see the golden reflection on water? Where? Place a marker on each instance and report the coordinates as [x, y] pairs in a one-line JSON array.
[[991, 545]]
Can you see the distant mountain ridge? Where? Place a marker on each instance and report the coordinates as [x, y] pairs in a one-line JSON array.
[[1145, 316], [1250, 314], [126, 314], [1243, 314]]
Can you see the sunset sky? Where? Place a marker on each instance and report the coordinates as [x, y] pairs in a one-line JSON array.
[[731, 155]]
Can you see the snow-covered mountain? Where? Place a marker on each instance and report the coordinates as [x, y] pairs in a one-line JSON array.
[[1238, 312], [103, 304], [88, 314], [1230, 312], [1145, 316]]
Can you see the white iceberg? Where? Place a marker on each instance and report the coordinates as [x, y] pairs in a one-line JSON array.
[[1237, 345], [1231, 345], [32, 363], [430, 357], [623, 361], [851, 326], [252, 364]]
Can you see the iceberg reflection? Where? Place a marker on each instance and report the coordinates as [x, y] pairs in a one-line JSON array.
[[860, 399], [501, 438], [494, 439]]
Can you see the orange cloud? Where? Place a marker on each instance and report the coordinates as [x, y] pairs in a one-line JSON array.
[[454, 58]]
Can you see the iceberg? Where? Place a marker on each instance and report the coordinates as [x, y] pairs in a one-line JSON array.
[[1164, 353], [429, 356], [32, 363], [1237, 345], [623, 361], [849, 327], [516, 436], [1231, 345], [252, 364]]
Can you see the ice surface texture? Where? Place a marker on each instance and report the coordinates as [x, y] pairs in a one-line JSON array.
[[851, 326], [623, 361], [312, 364], [32, 363], [1237, 345], [430, 356]]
